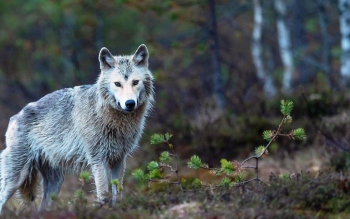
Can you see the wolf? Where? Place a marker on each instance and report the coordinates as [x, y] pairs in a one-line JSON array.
[[86, 127]]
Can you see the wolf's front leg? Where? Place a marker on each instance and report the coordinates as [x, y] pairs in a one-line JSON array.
[[100, 172], [115, 173]]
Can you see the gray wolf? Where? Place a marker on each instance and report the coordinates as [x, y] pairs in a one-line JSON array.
[[91, 126]]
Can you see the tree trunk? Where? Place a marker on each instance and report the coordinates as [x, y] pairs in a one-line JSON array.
[[257, 51], [299, 41], [344, 20], [214, 47], [326, 42], [284, 44]]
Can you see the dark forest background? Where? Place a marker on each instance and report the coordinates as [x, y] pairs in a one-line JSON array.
[[221, 67]]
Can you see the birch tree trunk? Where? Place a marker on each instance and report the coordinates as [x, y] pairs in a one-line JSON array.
[[344, 20], [218, 86], [257, 51], [284, 42]]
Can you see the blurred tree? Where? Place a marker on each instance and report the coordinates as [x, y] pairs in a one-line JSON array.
[[284, 41], [299, 41], [218, 85], [344, 20], [257, 51], [326, 41]]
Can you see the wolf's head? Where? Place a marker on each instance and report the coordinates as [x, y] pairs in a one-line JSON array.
[[125, 81]]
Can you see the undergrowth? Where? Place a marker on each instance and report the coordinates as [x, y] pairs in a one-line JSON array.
[[165, 170], [302, 195]]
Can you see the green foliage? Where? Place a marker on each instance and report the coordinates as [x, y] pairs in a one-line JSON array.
[[240, 177], [226, 182], [53, 197], [164, 157], [226, 166], [232, 171], [299, 134], [267, 135], [286, 107], [160, 138], [115, 182], [195, 162], [284, 176], [259, 150], [152, 165], [197, 183], [85, 176], [138, 174], [155, 174], [79, 194]]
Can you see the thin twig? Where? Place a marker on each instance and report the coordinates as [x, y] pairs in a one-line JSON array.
[[176, 166]]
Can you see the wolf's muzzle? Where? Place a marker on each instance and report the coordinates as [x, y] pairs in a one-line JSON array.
[[130, 105]]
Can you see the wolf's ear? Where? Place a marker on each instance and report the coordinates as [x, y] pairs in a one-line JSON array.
[[141, 56], [106, 59]]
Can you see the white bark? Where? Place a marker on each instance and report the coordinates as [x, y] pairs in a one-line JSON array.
[[344, 21], [257, 51], [284, 41]]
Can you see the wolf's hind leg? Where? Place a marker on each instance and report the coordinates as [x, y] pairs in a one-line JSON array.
[[14, 171], [52, 182], [27, 190]]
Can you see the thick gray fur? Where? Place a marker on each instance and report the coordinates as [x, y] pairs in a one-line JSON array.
[[74, 129]]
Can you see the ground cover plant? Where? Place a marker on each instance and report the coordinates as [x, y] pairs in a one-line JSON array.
[[166, 171]]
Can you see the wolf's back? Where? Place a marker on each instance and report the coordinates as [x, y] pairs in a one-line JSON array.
[[47, 127]]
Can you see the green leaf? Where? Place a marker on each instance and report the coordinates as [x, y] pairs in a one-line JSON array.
[[240, 177], [195, 162], [226, 182], [115, 182], [164, 157], [157, 139], [259, 150], [155, 174], [226, 166], [152, 165], [160, 138], [267, 135], [85, 176], [299, 133], [138, 174], [79, 193], [284, 176], [286, 107], [167, 136], [196, 183]]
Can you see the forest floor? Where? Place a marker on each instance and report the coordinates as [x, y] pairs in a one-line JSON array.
[[298, 186]]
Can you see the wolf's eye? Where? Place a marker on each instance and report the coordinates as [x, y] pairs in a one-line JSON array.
[[135, 82], [117, 84]]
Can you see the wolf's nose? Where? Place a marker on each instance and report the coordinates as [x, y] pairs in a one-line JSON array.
[[130, 104]]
